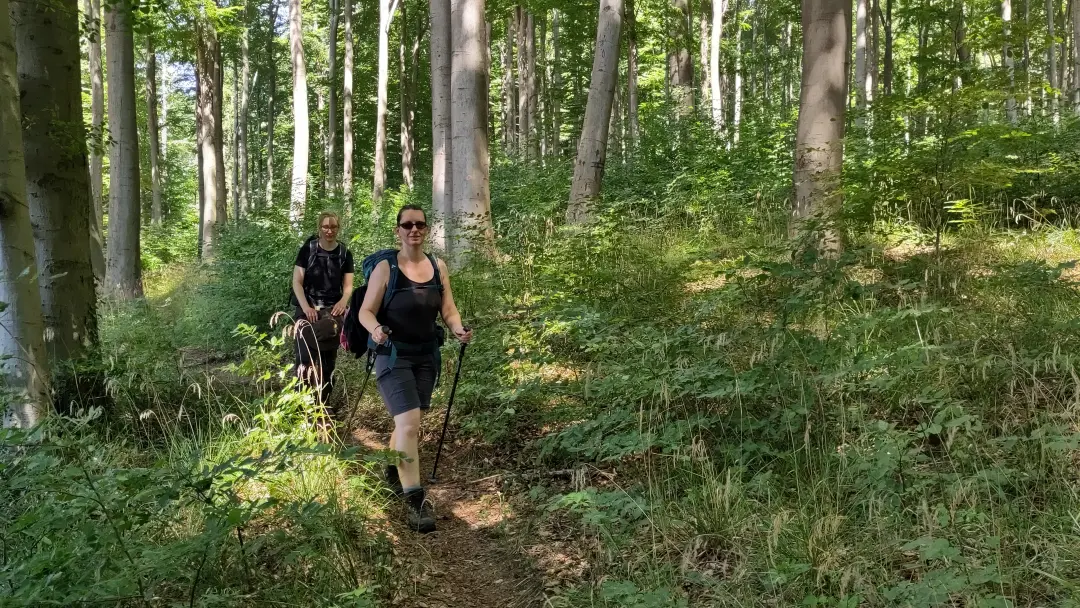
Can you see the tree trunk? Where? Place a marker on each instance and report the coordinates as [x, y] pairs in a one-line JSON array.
[[718, 7], [56, 171], [301, 136], [704, 55], [469, 99], [509, 100], [887, 76], [1051, 60], [736, 106], [556, 86], [97, 139], [592, 148], [272, 85], [331, 119], [875, 53], [236, 142], [522, 83], [819, 139], [529, 80], [632, 74], [208, 138], [406, 51], [680, 64], [219, 131], [788, 66], [862, 19], [386, 15], [1007, 60], [152, 130], [242, 131], [23, 366], [1074, 10], [123, 274], [544, 102], [347, 136], [615, 143], [963, 55], [442, 190]]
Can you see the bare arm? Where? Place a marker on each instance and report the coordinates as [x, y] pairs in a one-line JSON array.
[[450, 313], [346, 293], [298, 291], [373, 300]]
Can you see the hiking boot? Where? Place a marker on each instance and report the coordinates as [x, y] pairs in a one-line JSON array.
[[418, 510], [393, 481]]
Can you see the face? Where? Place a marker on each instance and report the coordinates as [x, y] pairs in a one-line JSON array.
[[412, 228], [329, 228]]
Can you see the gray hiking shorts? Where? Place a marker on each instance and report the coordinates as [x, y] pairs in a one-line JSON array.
[[408, 385]]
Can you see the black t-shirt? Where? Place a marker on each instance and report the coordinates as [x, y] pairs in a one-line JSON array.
[[413, 310], [324, 278]]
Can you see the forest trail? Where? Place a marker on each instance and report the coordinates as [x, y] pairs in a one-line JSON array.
[[477, 555]]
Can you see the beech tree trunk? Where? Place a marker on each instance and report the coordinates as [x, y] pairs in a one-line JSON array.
[[242, 128], [152, 130], [887, 75], [680, 63], [529, 80], [736, 106], [23, 366], [331, 119], [862, 15], [408, 51], [123, 273], [469, 100], [442, 190], [819, 138], [632, 74], [1051, 60], [718, 7], [556, 87], [704, 55], [509, 98], [57, 173], [347, 136], [386, 16], [211, 159], [522, 82], [544, 77], [272, 18], [1006, 54], [1074, 11], [301, 133], [97, 139], [592, 147], [615, 142], [236, 142]]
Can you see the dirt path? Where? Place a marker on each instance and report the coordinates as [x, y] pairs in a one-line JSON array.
[[476, 557]]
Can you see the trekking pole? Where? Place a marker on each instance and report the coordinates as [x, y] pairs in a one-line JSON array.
[[367, 376], [450, 404]]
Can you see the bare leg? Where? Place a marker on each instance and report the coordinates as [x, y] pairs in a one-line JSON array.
[[406, 438]]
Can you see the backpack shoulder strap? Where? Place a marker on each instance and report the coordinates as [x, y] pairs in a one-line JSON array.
[[438, 275], [391, 283], [313, 251]]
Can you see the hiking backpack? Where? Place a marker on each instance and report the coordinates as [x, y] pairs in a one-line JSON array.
[[312, 244], [354, 337]]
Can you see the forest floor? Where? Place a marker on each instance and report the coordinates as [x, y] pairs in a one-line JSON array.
[[479, 554]]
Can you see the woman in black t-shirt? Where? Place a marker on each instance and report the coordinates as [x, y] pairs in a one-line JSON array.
[[406, 376], [322, 284]]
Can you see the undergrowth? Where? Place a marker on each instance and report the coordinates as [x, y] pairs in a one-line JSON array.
[[894, 427]]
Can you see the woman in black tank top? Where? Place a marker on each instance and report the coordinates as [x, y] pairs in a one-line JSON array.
[[406, 375]]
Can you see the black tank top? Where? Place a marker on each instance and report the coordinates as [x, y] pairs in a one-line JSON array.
[[412, 311]]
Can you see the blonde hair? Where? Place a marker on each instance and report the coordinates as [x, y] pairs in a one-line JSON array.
[[326, 214]]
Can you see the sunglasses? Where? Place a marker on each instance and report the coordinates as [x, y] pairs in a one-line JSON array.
[[411, 225]]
